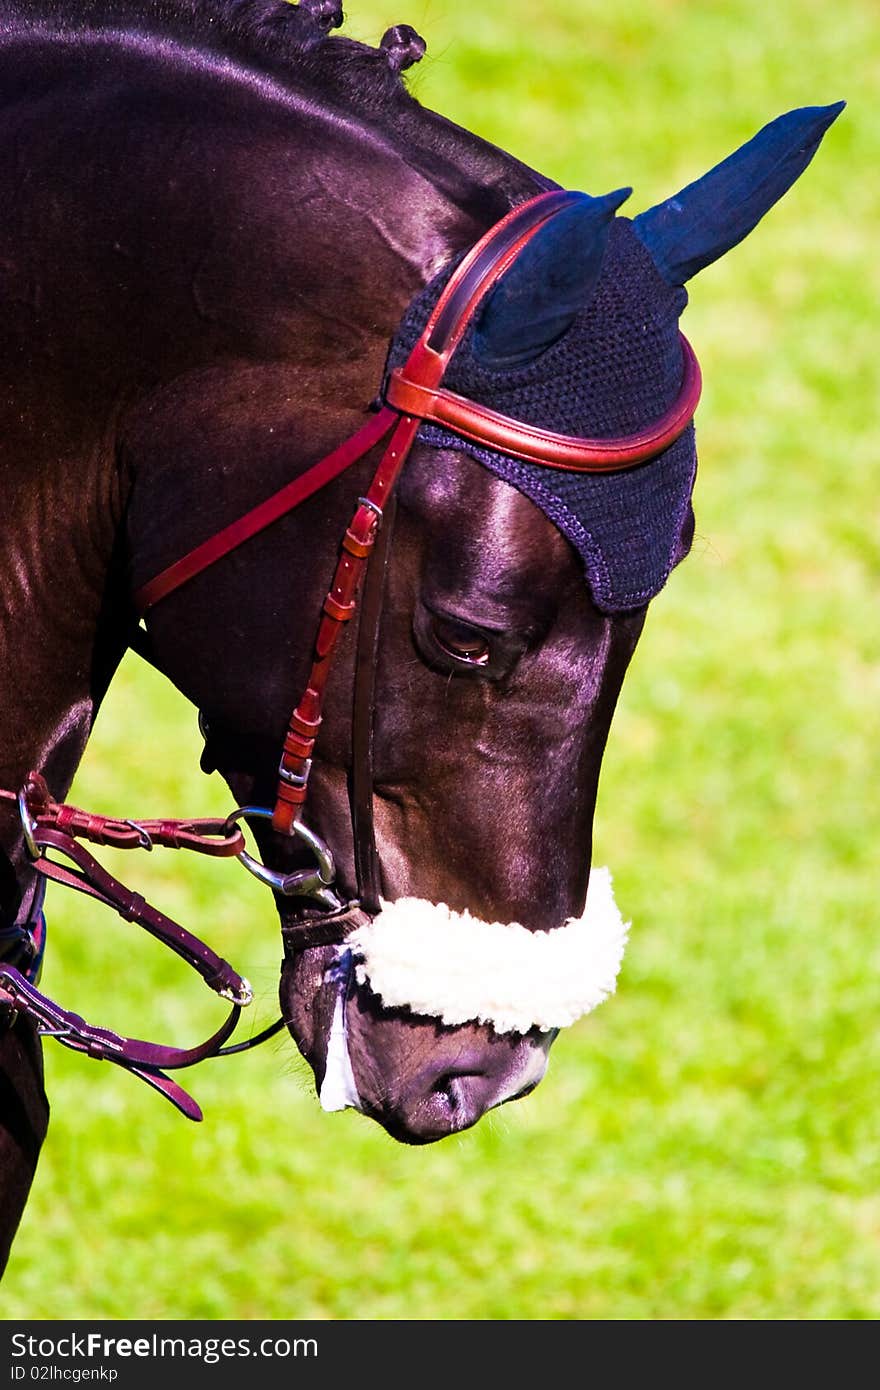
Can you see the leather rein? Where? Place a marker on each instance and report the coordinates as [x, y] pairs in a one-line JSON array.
[[413, 394]]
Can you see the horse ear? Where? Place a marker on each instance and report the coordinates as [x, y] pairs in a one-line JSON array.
[[550, 281], [704, 220]]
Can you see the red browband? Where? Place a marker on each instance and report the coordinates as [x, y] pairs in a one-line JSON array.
[[495, 431], [414, 394]]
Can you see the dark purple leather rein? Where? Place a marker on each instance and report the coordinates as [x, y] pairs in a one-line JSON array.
[[415, 393], [48, 826]]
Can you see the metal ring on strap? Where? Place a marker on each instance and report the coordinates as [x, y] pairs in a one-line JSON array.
[[308, 883]]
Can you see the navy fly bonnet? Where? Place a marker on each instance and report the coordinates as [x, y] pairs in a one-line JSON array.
[[618, 365], [615, 370]]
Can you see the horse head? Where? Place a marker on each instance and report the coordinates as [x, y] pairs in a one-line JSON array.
[[512, 597]]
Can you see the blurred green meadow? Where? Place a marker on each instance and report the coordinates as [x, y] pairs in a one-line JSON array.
[[707, 1144]]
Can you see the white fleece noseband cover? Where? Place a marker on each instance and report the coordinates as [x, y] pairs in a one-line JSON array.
[[451, 966]]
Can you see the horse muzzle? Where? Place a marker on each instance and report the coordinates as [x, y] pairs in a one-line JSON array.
[[420, 1079], [423, 1018]]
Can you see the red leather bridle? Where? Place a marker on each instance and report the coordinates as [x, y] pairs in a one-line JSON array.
[[414, 394]]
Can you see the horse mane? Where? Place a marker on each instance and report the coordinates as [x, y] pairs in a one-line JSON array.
[[292, 43], [288, 39]]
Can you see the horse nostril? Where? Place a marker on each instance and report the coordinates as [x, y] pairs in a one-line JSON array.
[[449, 1087]]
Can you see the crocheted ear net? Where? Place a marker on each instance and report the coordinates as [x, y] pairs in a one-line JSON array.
[[615, 371]]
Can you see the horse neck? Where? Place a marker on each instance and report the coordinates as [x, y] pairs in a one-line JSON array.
[[273, 231]]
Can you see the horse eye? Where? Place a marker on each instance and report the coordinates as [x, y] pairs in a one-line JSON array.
[[461, 642]]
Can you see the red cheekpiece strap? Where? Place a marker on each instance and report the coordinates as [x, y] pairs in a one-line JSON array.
[[339, 607]]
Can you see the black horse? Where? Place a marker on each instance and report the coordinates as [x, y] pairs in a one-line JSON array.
[[223, 231]]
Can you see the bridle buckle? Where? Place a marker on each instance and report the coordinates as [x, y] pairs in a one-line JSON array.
[[296, 779]]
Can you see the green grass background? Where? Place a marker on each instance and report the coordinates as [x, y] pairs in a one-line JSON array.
[[705, 1146]]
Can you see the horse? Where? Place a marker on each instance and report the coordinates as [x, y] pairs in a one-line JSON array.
[[232, 243]]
